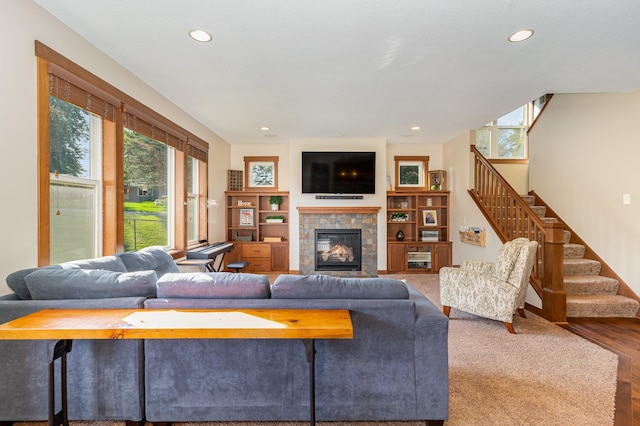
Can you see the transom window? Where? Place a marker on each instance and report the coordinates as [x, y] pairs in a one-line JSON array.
[[506, 138]]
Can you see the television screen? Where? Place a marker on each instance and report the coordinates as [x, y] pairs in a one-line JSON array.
[[338, 172]]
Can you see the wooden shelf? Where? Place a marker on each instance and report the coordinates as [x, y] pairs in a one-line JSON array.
[[412, 255], [263, 256]]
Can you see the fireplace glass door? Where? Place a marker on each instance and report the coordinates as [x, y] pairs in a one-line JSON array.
[[338, 249]]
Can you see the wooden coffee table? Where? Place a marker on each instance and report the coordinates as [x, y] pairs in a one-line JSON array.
[[66, 325]]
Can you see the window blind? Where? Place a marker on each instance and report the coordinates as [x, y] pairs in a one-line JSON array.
[[139, 122], [69, 88]]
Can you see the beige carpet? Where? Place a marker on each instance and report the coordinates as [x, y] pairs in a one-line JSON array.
[[544, 375]]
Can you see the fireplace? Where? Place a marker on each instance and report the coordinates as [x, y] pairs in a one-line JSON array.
[[338, 250]]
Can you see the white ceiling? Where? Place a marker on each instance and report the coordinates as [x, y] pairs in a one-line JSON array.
[[362, 68]]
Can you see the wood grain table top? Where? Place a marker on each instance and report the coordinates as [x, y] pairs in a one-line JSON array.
[[180, 324]]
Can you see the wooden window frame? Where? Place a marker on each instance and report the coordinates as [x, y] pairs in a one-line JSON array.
[[184, 142]]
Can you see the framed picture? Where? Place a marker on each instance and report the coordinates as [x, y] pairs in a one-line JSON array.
[[429, 218], [245, 217], [411, 173], [261, 173], [437, 180]]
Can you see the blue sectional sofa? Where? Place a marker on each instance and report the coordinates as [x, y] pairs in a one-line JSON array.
[[105, 377], [395, 367]]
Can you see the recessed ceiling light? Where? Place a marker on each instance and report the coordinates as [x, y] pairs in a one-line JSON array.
[[265, 128], [415, 128], [200, 35], [521, 35]]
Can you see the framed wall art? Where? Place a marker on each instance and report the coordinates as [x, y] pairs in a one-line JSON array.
[[261, 173], [437, 180], [429, 217], [411, 173], [245, 217]]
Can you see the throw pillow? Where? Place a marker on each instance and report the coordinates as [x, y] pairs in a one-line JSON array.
[[150, 258], [16, 282], [213, 285], [328, 287]]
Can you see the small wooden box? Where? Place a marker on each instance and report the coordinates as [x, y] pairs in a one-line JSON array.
[[475, 238]]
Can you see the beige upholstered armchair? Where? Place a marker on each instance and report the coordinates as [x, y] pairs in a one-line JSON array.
[[491, 290]]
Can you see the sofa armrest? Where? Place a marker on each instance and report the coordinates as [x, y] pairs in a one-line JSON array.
[[10, 296], [12, 309], [431, 357]]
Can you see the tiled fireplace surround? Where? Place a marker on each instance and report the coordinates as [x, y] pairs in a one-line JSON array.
[[363, 218]]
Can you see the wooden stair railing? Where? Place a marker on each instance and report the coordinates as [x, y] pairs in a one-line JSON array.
[[511, 217]]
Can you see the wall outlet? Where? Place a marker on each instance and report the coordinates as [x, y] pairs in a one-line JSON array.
[[626, 198]]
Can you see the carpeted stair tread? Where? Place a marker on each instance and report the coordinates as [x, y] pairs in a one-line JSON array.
[[539, 210], [581, 267], [590, 284], [529, 199], [573, 251], [601, 306], [566, 236]]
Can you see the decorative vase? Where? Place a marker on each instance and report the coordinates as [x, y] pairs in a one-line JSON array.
[[400, 235], [275, 207]]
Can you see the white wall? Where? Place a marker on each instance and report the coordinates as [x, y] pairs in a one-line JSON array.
[[516, 174], [21, 23], [584, 155], [464, 212]]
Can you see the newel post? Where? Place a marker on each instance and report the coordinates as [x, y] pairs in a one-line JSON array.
[[554, 300]]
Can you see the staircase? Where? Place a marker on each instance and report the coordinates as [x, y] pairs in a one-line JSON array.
[[589, 294]]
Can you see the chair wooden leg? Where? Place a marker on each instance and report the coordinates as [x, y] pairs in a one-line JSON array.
[[521, 312], [446, 310], [510, 327]]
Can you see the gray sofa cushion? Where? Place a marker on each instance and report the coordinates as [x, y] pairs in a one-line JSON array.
[[213, 285], [108, 263], [328, 287], [16, 282], [48, 283], [150, 258]]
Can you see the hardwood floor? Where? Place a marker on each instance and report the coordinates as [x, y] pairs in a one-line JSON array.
[[621, 336]]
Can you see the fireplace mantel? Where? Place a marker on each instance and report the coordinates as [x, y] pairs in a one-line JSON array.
[[338, 209]]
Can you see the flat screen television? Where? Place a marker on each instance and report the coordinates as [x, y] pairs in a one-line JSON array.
[[338, 172]]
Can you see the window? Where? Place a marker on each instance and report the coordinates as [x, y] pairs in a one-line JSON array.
[[75, 181], [192, 200], [148, 198], [112, 173], [506, 137]]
